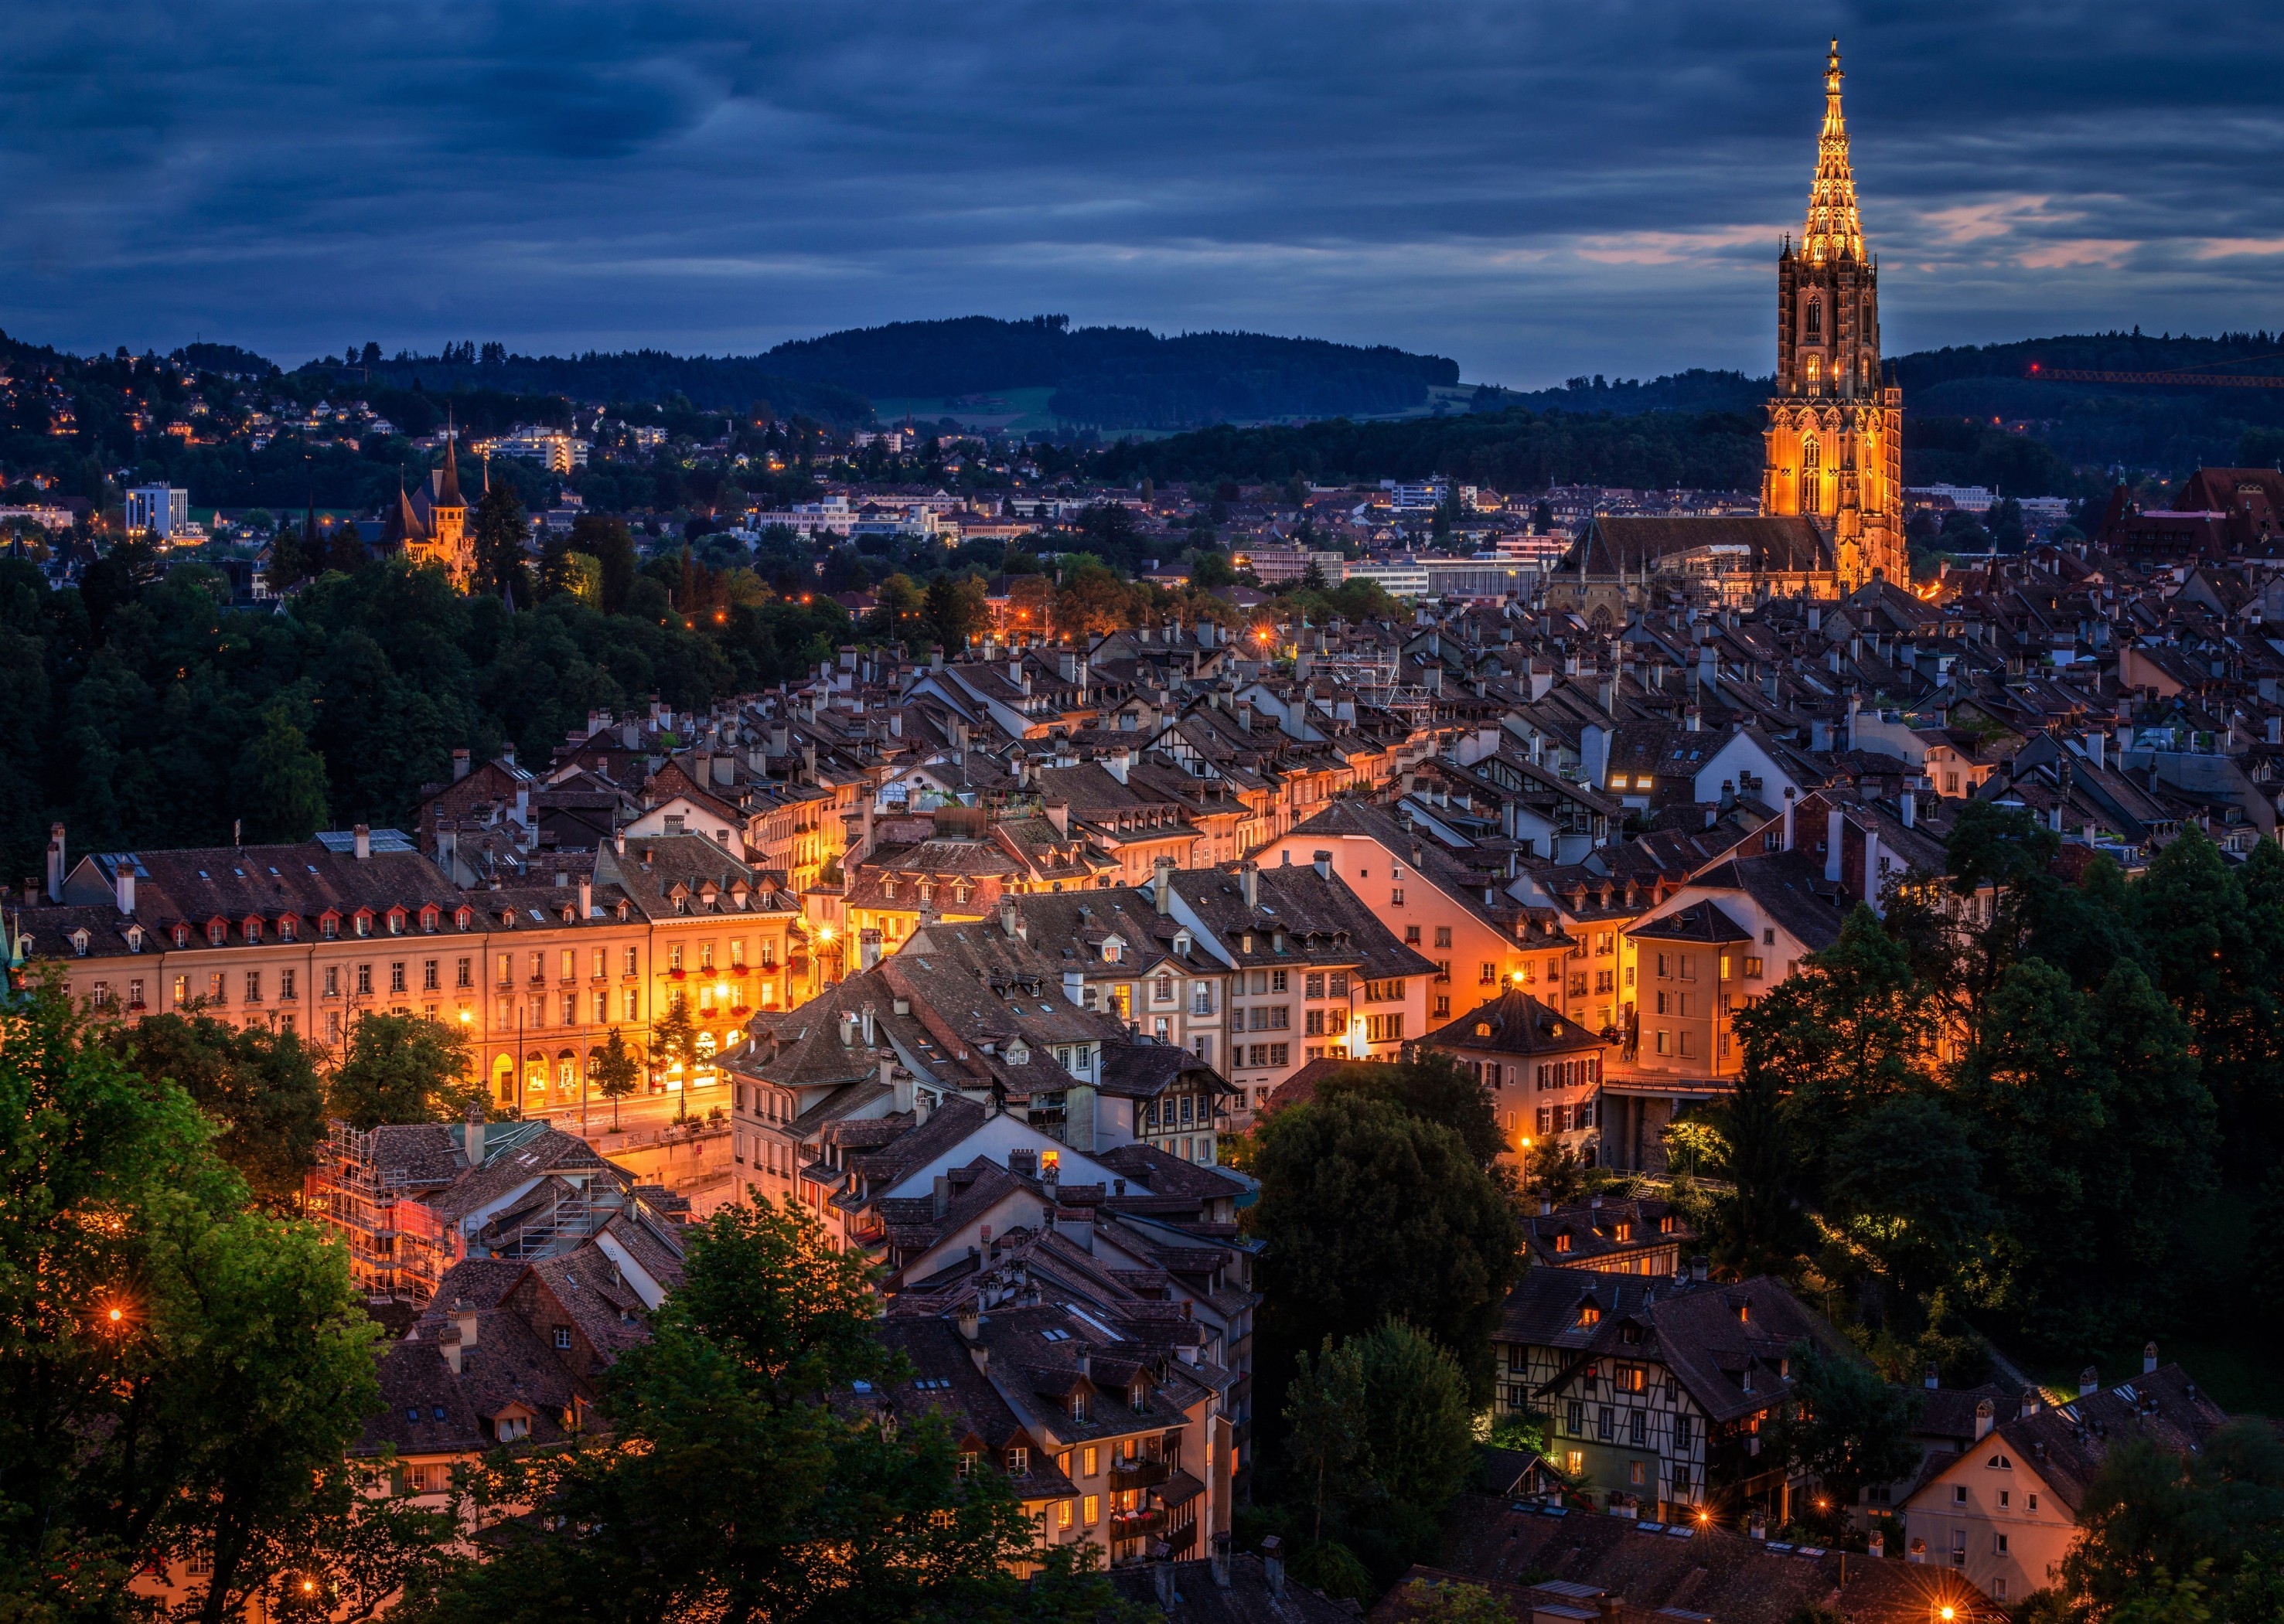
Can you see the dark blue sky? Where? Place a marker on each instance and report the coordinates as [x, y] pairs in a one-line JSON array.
[[1535, 189]]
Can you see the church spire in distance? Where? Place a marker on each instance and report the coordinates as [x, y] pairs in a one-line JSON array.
[[1834, 231]]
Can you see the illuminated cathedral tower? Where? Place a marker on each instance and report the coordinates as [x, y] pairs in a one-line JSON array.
[[1835, 435]]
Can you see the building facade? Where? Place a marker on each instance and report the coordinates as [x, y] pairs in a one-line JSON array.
[[1834, 439]]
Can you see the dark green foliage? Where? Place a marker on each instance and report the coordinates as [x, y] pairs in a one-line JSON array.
[[403, 1068], [499, 530], [1382, 1441], [259, 1088], [1353, 1193], [180, 717], [2152, 1518], [1432, 1087], [1858, 1427], [732, 1486], [1506, 450], [210, 1417], [2014, 1115]]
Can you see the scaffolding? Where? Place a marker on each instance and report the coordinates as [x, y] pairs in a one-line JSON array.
[[398, 1247]]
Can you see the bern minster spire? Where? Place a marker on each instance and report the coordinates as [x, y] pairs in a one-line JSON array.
[[448, 488], [1833, 231], [1833, 442]]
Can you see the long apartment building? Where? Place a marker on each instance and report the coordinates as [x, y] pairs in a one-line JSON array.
[[309, 937]]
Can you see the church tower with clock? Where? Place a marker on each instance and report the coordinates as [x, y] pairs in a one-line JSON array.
[[1834, 443]]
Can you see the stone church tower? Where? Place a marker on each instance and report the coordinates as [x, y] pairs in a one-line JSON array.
[[1835, 437]]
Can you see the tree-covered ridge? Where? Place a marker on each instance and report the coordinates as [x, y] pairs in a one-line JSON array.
[[145, 712], [1121, 377], [1513, 450]]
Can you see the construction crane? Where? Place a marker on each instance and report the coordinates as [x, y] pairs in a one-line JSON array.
[[2190, 379]]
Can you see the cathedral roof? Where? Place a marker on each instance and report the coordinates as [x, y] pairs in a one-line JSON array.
[[402, 523], [1639, 543], [1834, 231]]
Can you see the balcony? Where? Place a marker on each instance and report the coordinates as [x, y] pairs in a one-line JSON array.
[[1137, 1525], [1137, 1473]]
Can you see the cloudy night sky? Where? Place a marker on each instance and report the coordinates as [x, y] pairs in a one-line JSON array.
[[1537, 190]]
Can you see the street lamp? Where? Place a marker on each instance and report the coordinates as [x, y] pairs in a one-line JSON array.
[[1526, 1164]]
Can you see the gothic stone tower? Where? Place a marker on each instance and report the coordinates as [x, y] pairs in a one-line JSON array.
[[1835, 436]]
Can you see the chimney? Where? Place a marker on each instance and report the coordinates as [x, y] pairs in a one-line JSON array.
[[1982, 1419], [123, 877], [1059, 814], [1117, 763], [1855, 704], [1815, 617], [1075, 987], [1324, 863], [363, 837], [2148, 1358], [471, 1134], [1162, 1575], [1693, 719], [943, 1198], [1833, 825], [459, 765], [1790, 796], [847, 1028], [1545, 1206], [1698, 1266], [1272, 1565], [868, 1025], [619, 842], [1934, 1376], [1221, 1561], [1757, 1525], [1161, 889], [586, 896], [1877, 1546], [630, 734], [1871, 870], [55, 863], [968, 1321], [523, 805], [1248, 879], [1008, 923], [899, 1083], [2033, 1401], [724, 771], [2097, 746], [1910, 806], [465, 1320], [2089, 1382]]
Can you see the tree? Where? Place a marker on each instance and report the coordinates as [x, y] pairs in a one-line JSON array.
[[179, 1375], [1450, 1601], [738, 1484], [955, 609], [1324, 1409], [613, 1069], [281, 781], [674, 1036], [500, 533], [900, 602], [259, 1088], [1905, 1180], [2151, 1516], [1432, 1087], [403, 1068], [1354, 1192], [1850, 1429], [608, 541]]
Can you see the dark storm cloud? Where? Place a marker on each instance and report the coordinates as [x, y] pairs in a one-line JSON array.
[[1535, 189]]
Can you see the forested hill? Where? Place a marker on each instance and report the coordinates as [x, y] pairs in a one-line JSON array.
[[1121, 377], [710, 383]]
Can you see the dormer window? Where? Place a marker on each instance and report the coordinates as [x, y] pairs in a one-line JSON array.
[[1137, 1398], [79, 940], [1181, 944], [396, 922], [1113, 950], [288, 928], [1019, 1460], [889, 885], [253, 929], [462, 920], [1589, 1314], [329, 926], [134, 939], [182, 935], [364, 923], [1078, 1407], [217, 932], [428, 918], [1562, 1241]]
